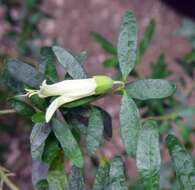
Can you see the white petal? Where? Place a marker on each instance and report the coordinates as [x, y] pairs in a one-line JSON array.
[[71, 88], [57, 103]]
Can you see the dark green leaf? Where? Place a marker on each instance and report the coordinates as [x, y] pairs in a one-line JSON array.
[[22, 107], [50, 149], [22, 73], [74, 68], [56, 175], [104, 43], [182, 163], [146, 40], [76, 179], [190, 57], [102, 177], [42, 185], [38, 136], [111, 62], [129, 124], [48, 59], [38, 117], [148, 156], [38, 102], [82, 101], [68, 143], [150, 89], [127, 43], [94, 131], [117, 177], [159, 68]]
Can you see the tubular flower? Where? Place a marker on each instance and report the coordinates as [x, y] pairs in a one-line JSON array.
[[71, 90]]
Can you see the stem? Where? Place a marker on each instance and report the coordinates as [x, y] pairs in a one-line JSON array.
[[6, 180], [8, 111], [171, 116]]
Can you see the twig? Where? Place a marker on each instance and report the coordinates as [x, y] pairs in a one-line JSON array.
[[8, 111], [171, 116], [6, 180]]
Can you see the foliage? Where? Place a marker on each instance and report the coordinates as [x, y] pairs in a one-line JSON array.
[[78, 127]]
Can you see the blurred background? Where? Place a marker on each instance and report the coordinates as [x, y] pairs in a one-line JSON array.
[[27, 25]]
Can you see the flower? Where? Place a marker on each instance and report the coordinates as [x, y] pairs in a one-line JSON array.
[[71, 90]]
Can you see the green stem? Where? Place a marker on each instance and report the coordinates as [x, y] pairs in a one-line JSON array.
[[167, 117], [8, 111]]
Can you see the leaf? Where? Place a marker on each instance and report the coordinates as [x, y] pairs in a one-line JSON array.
[[129, 124], [68, 143], [111, 62], [102, 177], [94, 131], [159, 68], [82, 101], [146, 40], [22, 73], [104, 43], [148, 155], [39, 174], [38, 117], [190, 57], [76, 179], [42, 185], [127, 43], [74, 68], [39, 134], [21, 107], [48, 59], [81, 57], [182, 163], [56, 175], [117, 177], [150, 89], [107, 122], [38, 102], [50, 149]]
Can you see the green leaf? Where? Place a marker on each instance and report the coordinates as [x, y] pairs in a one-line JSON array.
[[81, 57], [76, 179], [82, 101], [74, 68], [38, 102], [159, 68], [94, 130], [48, 59], [111, 62], [190, 57], [102, 177], [146, 40], [182, 163], [104, 43], [50, 149], [117, 177], [150, 89], [21, 107], [127, 43], [148, 155], [38, 117], [22, 73], [42, 185], [129, 124], [39, 134], [68, 143], [56, 175]]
